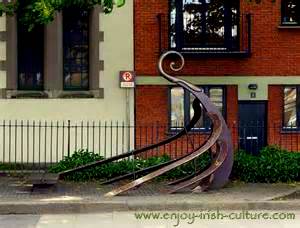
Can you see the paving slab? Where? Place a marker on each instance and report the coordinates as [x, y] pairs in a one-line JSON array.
[[17, 197]]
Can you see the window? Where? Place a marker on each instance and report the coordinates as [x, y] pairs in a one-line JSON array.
[[59, 60], [76, 49], [177, 106], [204, 24], [181, 110], [290, 12], [30, 58], [291, 107]]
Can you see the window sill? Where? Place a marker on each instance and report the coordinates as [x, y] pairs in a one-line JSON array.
[[290, 130], [25, 94], [81, 94], [289, 26], [51, 94], [215, 54]]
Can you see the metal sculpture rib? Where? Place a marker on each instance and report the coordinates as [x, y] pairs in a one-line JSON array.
[[40, 179], [188, 127], [218, 173]]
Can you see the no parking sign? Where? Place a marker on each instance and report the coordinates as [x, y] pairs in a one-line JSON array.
[[127, 79]]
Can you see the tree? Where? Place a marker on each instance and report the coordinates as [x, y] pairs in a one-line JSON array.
[[37, 12]]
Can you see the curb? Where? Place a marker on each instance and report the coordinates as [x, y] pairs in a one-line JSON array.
[[98, 207]]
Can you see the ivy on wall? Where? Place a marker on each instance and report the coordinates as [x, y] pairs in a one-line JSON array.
[[36, 12]]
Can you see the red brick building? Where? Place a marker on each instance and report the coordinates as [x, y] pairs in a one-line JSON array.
[[245, 55]]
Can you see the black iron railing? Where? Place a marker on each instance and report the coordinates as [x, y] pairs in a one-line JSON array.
[[34, 145]]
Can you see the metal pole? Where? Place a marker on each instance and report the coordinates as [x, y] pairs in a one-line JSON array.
[[128, 118], [69, 127]]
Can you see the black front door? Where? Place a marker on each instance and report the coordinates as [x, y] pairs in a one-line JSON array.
[[252, 126]]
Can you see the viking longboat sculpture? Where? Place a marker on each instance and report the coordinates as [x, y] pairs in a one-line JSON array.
[[217, 174]]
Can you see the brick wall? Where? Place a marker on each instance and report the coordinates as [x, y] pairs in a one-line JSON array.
[[151, 105], [276, 136], [232, 112], [275, 52], [272, 53]]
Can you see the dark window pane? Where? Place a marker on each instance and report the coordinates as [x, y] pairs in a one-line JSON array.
[[290, 12], [235, 23], [204, 24], [76, 48], [214, 24], [193, 19], [290, 107], [172, 24], [30, 58]]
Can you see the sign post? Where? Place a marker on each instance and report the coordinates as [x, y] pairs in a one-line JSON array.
[[127, 81]]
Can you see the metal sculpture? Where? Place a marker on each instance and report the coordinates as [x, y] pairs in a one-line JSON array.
[[215, 176]]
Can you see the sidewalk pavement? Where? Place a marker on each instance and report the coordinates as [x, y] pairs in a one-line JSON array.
[[16, 197]]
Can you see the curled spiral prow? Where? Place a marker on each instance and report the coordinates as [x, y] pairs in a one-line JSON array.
[[173, 66]]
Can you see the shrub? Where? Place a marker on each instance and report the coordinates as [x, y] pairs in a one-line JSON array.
[[102, 172], [78, 158], [3, 167], [189, 168], [121, 167], [271, 165]]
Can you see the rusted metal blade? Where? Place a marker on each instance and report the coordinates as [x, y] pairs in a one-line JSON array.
[[175, 182], [139, 172], [203, 185], [188, 127], [221, 157], [221, 167], [222, 174], [217, 128]]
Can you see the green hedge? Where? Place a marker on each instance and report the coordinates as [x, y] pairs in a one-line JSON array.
[[121, 167], [271, 165]]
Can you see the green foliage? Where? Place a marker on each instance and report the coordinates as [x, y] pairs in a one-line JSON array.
[[107, 171], [189, 168], [270, 166], [121, 167], [78, 158], [40, 12], [4, 167], [8, 8]]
